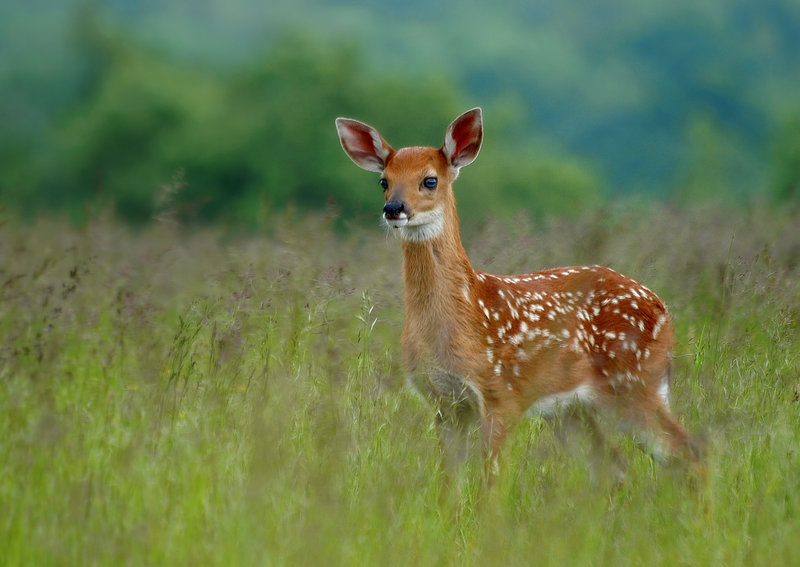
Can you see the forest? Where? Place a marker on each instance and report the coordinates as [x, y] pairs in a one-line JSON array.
[[211, 111]]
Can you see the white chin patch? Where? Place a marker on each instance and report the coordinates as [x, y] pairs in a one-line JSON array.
[[420, 227], [396, 223]]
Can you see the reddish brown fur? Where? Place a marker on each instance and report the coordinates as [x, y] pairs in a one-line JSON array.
[[486, 348]]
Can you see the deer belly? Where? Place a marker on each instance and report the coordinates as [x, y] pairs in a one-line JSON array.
[[552, 404]]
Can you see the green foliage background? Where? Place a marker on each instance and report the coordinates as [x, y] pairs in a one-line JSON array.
[[224, 112]]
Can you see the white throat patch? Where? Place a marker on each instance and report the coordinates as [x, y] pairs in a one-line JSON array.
[[420, 227]]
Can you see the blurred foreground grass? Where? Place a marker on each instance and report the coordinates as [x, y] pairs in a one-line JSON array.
[[177, 397]]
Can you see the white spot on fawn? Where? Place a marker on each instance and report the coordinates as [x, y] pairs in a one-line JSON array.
[[659, 323]]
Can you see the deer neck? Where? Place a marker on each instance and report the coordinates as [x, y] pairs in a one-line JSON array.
[[436, 269], [438, 283]]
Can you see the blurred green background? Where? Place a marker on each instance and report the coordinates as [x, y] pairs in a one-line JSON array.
[[213, 110]]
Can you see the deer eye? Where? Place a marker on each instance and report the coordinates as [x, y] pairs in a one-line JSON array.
[[384, 184], [430, 182]]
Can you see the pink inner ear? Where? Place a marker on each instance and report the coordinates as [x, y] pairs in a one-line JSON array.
[[465, 132], [358, 140], [367, 160], [465, 152]]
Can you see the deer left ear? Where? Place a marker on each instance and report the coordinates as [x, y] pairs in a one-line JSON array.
[[463, 138], [365, 146]]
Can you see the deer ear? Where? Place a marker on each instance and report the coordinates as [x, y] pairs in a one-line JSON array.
[[365, 146], [462, 141]]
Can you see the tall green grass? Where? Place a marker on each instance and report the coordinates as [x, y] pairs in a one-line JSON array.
[[190, 397]]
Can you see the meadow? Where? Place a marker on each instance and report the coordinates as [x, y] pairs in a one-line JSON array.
[[200, 396]]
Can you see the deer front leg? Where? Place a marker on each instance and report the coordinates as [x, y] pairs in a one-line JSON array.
[[494, 429], [454, 442], [458, 412], [456, 424]]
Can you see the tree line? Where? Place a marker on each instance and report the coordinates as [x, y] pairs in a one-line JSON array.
[[148, 133]]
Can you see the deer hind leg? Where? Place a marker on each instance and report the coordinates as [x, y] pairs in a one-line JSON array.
[[647, 417], [657, 433], [605, 459]]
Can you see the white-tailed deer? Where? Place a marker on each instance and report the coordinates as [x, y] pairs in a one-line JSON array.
[[485, 348]]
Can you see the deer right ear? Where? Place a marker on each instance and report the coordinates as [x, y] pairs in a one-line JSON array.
[[463, 138], [365, 146]]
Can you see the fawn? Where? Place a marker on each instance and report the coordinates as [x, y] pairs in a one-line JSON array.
[[486, 349]]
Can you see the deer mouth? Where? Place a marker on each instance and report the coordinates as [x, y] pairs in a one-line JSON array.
[[396, 220]]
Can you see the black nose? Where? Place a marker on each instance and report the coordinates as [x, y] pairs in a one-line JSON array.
[[392, 209]]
